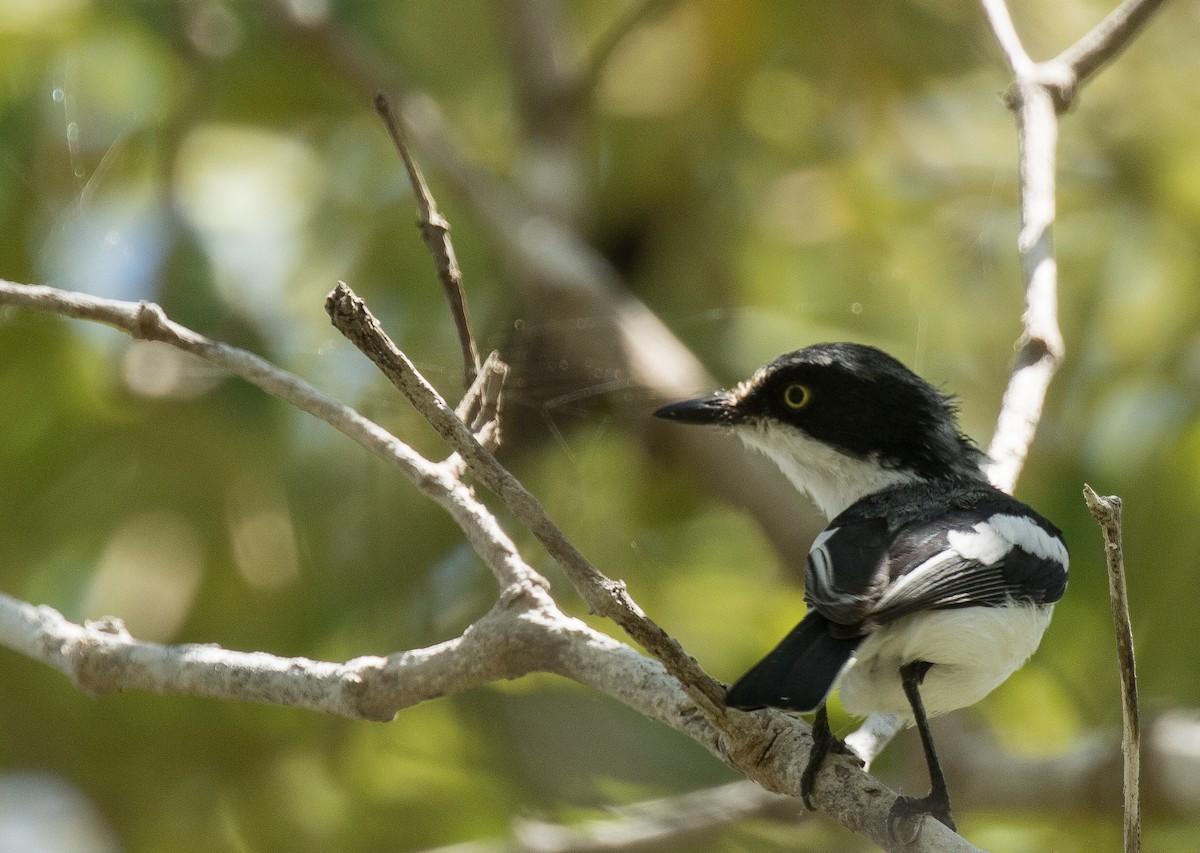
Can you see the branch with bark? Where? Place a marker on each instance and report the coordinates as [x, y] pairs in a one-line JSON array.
[[525, 630]]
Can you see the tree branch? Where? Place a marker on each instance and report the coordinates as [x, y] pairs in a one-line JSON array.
[[1040, 91], [435, 231], [1107, 512], [769, 747], [554, 264], [603, 595], [146, 321], [101, 657], [1107, 40], [1040, 349]]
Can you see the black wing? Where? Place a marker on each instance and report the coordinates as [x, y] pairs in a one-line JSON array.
[[970, 546], [913, 547]]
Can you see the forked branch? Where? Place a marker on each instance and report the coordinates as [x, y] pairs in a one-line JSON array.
[[1040, 91]]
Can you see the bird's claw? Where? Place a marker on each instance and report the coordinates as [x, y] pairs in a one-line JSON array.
[[824, 744], [909, 813]]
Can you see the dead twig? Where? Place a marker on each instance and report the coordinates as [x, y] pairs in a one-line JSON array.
[[1107, 512], [435, 231]]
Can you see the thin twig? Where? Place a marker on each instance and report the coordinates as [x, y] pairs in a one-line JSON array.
[[481, 406], [1005, 32], [1107, 512], [435, 231], [147, 321], [1107, 39], [604, 596], [556, 264]]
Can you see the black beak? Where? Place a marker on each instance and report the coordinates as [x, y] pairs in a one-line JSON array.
[[713, 409]]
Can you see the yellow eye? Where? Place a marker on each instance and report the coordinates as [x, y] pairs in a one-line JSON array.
[[797, 396]]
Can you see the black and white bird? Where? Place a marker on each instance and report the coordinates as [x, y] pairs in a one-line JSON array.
[[928, 588]]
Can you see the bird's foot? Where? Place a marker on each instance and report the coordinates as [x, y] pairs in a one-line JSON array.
[[908, 814], [825, 742]]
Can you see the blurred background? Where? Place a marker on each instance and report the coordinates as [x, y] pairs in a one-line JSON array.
[[648, 200]]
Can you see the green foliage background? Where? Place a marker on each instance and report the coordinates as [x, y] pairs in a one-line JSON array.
[[765, 175]]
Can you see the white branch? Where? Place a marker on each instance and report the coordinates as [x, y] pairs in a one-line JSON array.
[[1006, 36], [101, 657], [1040, 91]]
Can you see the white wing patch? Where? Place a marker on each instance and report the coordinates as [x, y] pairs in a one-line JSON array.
[[989, 541]]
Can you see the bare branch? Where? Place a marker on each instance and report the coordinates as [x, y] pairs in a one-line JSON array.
[[555, 263], [1006, 36], [1107, 40], [101, 657], [1040, 91], [602, 594], [435, 231], [1107, 512], [1040, 349], [768, 746], [481, 407], [524, 632]]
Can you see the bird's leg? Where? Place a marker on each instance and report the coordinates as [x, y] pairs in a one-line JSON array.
[[937, 803], [824, 742]]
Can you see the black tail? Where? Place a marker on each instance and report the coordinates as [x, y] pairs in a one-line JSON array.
[[799, 673]]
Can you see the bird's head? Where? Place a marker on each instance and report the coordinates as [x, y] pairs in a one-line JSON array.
[[842, 421]]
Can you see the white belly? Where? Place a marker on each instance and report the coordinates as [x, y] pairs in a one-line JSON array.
[[972, 649]]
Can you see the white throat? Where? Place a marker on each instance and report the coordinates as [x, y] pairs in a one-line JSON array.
[[831, 478]]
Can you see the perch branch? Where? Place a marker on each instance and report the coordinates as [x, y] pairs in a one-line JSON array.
[[604, 596], [543, 636]]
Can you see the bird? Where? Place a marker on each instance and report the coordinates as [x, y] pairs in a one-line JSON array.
[[928, 588]]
